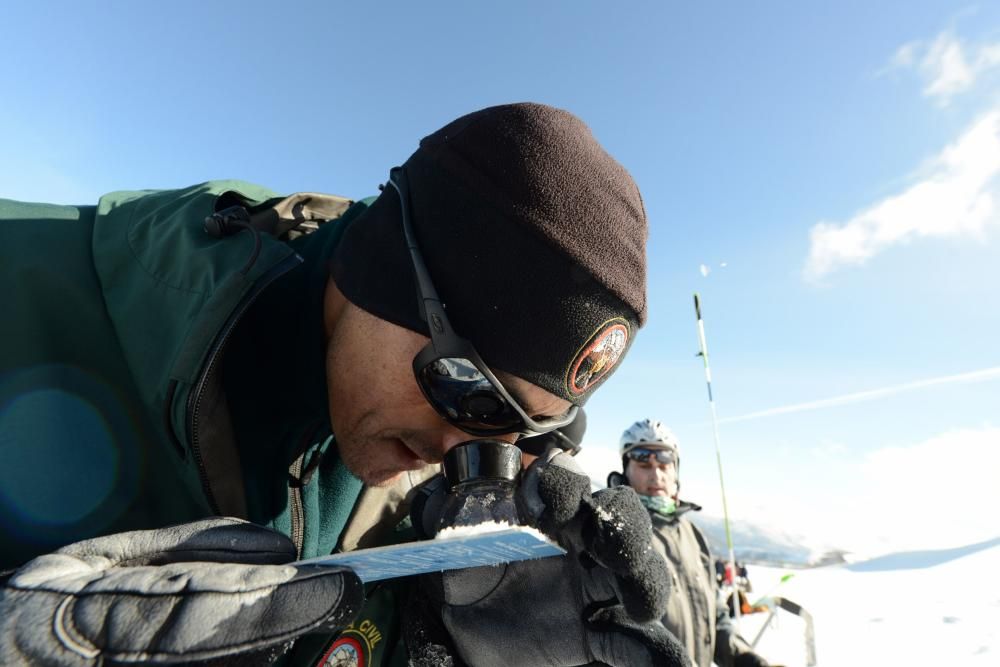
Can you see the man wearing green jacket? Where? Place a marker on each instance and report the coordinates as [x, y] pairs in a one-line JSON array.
[[171, 356]]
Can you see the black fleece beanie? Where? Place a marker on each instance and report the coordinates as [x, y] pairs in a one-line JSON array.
[[534, 238]]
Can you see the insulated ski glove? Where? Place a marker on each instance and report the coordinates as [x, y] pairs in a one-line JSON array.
[[597, 604], [212, 591]]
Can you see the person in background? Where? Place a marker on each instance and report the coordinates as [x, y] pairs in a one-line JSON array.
[[695, 615]]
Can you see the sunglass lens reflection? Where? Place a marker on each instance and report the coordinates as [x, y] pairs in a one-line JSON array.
[[659, 455], [464, 396]]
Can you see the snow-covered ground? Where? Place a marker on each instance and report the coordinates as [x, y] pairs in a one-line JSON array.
[[926, 608]]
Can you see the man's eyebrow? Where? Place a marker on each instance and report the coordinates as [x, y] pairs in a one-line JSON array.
[[517, 396], [532, 413], [506, 380]]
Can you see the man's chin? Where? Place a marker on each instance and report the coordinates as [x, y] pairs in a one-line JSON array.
[[382, 461], [381, 478]]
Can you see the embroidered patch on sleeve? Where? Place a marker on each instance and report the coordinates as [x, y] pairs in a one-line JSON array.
[[354, 646], [597, 356]]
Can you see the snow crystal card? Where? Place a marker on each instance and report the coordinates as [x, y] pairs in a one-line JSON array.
[[459, 549]]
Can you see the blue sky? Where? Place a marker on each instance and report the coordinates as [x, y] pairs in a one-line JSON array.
[[746, 128]]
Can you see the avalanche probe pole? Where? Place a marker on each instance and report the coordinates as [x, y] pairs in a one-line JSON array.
[[703, 353]]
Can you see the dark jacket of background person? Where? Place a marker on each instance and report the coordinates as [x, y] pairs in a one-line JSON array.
[[695, 614]]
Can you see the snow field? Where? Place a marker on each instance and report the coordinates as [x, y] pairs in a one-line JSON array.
[[908, 611]]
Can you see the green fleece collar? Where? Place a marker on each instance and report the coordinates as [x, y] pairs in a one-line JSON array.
[[662, 505]]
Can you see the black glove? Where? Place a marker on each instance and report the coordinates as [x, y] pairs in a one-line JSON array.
[[202, 591], [598, 603], [749, 660]]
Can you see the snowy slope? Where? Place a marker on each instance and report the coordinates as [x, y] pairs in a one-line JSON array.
[[924, 608]]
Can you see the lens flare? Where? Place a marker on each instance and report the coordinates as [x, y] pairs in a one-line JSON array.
[[42, 479]]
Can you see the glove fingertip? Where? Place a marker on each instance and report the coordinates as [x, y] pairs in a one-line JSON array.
[[563, 492], [646, 589]]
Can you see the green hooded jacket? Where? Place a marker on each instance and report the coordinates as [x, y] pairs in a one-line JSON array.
[[116, 322]]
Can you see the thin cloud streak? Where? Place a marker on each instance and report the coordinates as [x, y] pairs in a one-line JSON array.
[[870, 395]]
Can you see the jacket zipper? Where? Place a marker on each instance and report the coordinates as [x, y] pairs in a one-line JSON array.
[[194, 403], [295, 504], [296, 472]]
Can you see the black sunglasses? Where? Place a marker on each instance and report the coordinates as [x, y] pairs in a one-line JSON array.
[[449, 371], [642, 454]]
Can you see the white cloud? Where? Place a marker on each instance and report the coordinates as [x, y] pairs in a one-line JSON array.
[[947, 66], [945, 69], [829, 450], [940, 492], [955, 198], [936, 493]]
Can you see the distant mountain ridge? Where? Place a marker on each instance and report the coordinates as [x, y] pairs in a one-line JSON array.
[[754, 543]]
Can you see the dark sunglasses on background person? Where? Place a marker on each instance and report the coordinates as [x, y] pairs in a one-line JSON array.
[[450, 373], [643, 454]]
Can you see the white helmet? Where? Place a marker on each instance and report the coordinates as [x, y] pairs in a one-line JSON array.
[[648, 433]]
